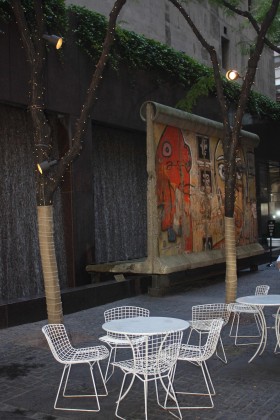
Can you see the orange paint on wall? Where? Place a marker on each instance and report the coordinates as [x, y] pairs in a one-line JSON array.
[[173, 165]]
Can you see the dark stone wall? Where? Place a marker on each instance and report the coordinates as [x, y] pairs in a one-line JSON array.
[[269, 133]]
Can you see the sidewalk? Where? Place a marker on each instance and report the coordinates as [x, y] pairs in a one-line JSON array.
[[29, 375]]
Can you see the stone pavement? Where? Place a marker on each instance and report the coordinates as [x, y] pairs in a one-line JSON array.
[[29, 375]]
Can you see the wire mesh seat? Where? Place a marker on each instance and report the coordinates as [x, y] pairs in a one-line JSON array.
[[154, 359], [238, 309], [199, 355], [66, 354], [202, 317], [116, 341]]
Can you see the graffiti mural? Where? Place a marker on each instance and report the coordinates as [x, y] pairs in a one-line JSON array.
[[185, 197], [190, 192]]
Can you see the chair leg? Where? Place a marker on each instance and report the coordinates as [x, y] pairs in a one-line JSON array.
[[210, 383], [189, 336], [232, 325], [122, 394], [209, 386], [113, 351], [169, 392], [258, 323], [66, 367], [95, 394], [66, 382], [224, 358], [276, 328], [146, 386], [275, 348], [237, 335], [103, 381], [94, 386], [277, 345], [237, 329]]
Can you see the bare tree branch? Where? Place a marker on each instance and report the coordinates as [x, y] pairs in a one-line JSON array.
[[246, 14], [34, 47], [253, 61], [82, 122]]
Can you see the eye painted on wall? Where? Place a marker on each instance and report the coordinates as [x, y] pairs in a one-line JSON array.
[[221, 169], [239, 168], [166, 149]]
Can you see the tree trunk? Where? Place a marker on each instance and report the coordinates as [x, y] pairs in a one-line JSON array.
[[49, 264], [34, 47], [231, 266]]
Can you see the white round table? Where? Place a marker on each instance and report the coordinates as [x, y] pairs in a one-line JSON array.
[[145, 325], [260, 301]]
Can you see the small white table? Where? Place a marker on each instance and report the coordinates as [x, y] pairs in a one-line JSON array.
[[259, 301], [145, 325]]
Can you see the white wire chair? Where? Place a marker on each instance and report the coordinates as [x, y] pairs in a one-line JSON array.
[[199, 355], [154, 359], [116, 341], [65, 353], [238, 309], [202, 317]]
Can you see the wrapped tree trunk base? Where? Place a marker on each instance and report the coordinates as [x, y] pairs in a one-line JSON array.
[[231, 265], [49, 264]]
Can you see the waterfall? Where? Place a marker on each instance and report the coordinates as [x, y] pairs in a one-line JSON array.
[[120, 190], [20, 263]]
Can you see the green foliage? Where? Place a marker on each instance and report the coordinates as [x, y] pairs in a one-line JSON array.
[[135, 50], [258, 9], [203, 87], [55, 13], [147, 54], [263, 107], [5, 11], [90, 30]]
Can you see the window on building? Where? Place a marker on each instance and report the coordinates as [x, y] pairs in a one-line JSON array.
[[277, 60], [225, 52]]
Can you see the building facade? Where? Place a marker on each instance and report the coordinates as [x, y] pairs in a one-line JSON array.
[[160, 20]]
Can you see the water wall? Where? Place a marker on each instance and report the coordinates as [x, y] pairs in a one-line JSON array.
[[120, 204], [20, 266]]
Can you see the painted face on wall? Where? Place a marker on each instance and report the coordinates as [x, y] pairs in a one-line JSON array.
[[239, 185], [173, 159], [220, 169], [173, 165]]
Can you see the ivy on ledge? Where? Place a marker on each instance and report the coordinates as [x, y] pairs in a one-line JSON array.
[[147, 54], [142, 53]]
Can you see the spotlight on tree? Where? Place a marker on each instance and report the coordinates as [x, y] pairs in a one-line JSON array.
[[233, 75], [53, 40], [45, 166]]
